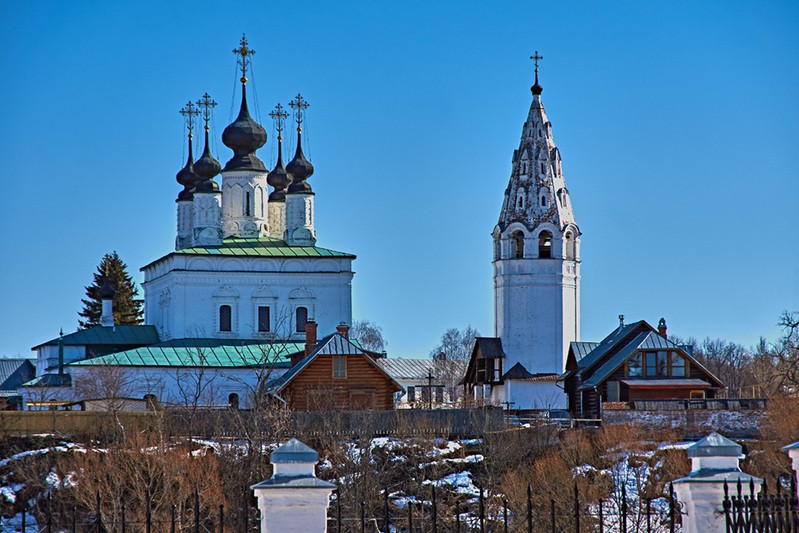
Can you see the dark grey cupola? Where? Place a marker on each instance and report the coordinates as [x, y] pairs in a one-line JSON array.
[[187, 178], [244, 136]]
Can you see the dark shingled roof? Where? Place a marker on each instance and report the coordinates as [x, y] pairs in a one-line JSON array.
[[490, 347], [14, 372]]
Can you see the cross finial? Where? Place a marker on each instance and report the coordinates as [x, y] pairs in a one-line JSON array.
[[279, 116], [299, 105], [536, 88], [207, 105], [536, 58], [243, 60], [189, 112]]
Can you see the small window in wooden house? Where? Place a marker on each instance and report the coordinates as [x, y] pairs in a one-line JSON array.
[[518, 244], [411, 394], [663, 363], [634, 366], [545, 245], [263, 318], [339, 366], [697, 394], [677, 366], [300, 318], [651, 364], [225, 315], [233, 400]]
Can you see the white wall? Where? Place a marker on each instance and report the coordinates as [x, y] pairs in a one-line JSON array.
[[534, 395], [183, 294]]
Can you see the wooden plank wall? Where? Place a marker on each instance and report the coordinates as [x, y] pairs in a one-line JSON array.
[[317, 379]]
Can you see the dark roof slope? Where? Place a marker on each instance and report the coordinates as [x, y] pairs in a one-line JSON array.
[[109, 336], [490, 347], [15, 372]]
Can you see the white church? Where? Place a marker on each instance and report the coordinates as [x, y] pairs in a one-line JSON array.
[[536, 279], [244, 278]]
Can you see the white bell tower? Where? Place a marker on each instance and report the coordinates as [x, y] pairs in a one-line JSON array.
[[537, 254]]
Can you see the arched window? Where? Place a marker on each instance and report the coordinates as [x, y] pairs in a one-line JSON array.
[[543, 201], [151, 402], [520, 203], [247, 204], [542, 168], [300, 318], [518, 244], [545, 245], [233, 400], [225, 315]]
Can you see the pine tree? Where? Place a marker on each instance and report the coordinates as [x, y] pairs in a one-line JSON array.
[[127, 308]]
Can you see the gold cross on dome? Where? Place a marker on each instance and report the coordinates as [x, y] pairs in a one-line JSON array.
[[189, 112], [299, 105], [279, 116], [243, 60], [207, 105]]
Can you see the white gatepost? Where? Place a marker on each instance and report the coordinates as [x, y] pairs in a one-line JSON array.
[[293, 499], [714, 461], [793, 453]]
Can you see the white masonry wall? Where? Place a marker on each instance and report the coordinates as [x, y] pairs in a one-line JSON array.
[[183, 294], [244, 203]]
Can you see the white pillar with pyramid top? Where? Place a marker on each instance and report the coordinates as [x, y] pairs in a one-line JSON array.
[[293, 499], [714, 461]]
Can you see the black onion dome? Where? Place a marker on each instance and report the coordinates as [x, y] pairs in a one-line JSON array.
[[244, 136], [278, 178], [187, 177], [300, 169], [207, 167], [107, 291]]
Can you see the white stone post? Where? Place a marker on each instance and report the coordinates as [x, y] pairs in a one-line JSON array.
[[714, 460], [293, 499], [793, 453]]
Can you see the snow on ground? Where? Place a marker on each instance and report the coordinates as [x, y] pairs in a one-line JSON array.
[[460, 482], [64, 447], [15, 524], [9, 493]]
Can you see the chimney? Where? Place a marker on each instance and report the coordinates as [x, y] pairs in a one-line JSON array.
[[662, 328], [344, 329], [310, 336], [621, 321], [106, 294]]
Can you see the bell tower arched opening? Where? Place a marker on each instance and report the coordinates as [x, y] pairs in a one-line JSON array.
[[545, 245]]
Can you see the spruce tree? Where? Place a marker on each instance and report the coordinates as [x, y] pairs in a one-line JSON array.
[[127, 308]]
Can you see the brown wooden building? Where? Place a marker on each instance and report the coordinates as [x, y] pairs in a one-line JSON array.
[[634, 362], [335, 374]]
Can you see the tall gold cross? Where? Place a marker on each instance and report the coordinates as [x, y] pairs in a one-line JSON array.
[[189, 112], [207, 105], [299, 105], [243, 52], [279, 116]]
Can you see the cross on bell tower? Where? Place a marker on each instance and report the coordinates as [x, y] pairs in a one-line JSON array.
[[536, 88]]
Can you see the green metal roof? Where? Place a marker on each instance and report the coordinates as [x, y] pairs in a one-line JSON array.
[[208, 353], [258, 247], [108, 336]]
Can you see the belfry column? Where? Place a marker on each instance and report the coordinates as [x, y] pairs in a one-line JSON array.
[[279, 180], [300, 230], [188, 179], [537, 253], [207, 197], [244, 186]]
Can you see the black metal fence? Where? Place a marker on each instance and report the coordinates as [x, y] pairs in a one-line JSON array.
[[764, 512], [195, 519], [623, 516], [480, 513]]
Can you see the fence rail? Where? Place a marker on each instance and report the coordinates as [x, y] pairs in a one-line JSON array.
[[226, 422], [762, 512]]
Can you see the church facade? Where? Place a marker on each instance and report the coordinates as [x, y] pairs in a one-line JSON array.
[[246, 264], [536, 259], [235, 297]]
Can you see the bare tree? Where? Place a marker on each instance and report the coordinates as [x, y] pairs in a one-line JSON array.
[[369, 335], [456, 344]]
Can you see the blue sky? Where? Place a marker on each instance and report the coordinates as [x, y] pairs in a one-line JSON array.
[[677, 123]]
